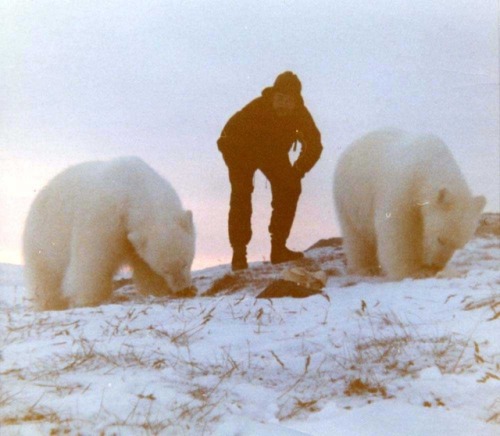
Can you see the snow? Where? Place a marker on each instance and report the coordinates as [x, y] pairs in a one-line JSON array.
[[368, 357]]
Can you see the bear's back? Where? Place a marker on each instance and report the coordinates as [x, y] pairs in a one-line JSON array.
[[148, 183], [391, 156], [96, 187], [115, 180], [392, 165], [366, 164]]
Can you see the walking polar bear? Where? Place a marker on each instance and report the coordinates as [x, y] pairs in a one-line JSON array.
[[403, 205], [96, 216]]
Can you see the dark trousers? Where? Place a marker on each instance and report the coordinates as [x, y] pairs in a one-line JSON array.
[[285, 188]]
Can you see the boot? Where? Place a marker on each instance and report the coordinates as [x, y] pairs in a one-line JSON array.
[[280, 254], [239, 261]]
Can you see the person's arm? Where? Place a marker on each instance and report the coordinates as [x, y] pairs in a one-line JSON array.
[[229, 134], [310, 138], [239, 131]]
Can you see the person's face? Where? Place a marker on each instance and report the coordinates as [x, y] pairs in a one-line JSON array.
[[283, 104]]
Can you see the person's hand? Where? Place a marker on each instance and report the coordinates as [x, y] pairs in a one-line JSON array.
[[299, 135]]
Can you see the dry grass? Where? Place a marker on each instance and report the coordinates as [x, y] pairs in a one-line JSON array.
[[175, 344], [387, 349]]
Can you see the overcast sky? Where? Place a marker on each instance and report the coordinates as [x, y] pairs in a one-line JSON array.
[[158, 79]]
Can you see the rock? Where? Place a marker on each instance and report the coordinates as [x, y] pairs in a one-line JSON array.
[[286, 288]]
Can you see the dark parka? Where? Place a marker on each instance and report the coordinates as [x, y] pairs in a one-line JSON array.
[[257, 134]]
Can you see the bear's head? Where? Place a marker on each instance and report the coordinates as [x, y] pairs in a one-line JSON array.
[[449, 222], [168, 248]]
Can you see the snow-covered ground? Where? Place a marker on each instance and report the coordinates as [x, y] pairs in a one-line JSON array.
[[368, 357]]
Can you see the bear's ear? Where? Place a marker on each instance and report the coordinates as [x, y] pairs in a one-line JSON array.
[[137, 240], [186, 221], [478, 203]]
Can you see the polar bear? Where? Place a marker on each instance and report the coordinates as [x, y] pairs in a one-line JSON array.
[[403, 205], [96, 216]]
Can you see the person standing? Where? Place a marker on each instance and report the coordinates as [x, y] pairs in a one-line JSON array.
[[260, 137]]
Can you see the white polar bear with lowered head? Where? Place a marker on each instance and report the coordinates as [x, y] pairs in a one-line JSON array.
[[403, 205], [97, 216]]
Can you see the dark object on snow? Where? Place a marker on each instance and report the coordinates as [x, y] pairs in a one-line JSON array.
[[190, 292], [286, 288], [331, 242]]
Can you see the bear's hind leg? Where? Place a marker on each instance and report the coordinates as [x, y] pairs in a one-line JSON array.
[[45, 287]]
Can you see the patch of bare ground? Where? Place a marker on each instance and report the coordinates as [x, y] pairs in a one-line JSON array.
[[260, 274], [359, 387]]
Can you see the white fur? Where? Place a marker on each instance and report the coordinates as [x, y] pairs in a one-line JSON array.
[[403, 205], [94, 217]]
